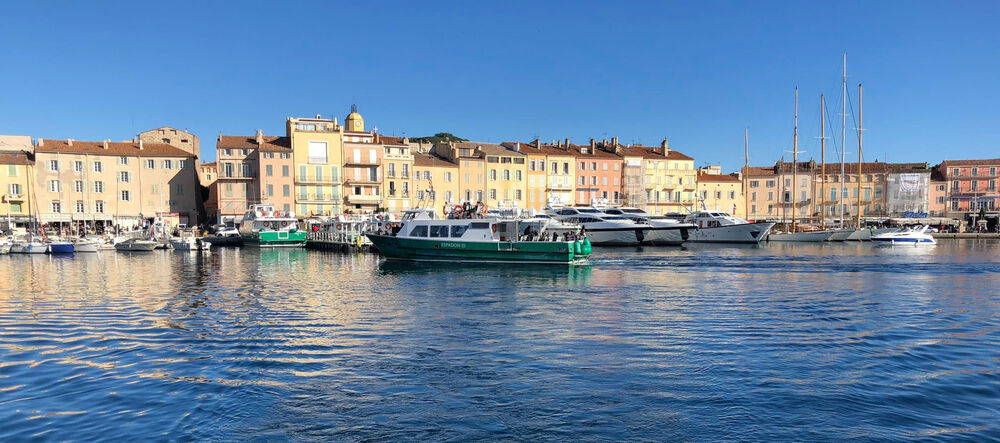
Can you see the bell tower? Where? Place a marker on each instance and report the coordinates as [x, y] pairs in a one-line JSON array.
[[354, 121]]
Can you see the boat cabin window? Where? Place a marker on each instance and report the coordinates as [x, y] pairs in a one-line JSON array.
[[568, 212], [613, 211], [439, 231], [458, 230], [589, 211], [419, 231], [479, 225], [632, 211]]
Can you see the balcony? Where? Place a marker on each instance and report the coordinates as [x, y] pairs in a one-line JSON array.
[[15, 197], [361, 163], [318, 199], [317, 181], [362, 181], [559, 187], [364, 199]]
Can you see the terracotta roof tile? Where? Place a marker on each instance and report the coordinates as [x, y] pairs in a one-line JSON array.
[[986, 162], [114, 148], [717, 178], [271, 142], [653, 153], [16, 158], [421, 159]]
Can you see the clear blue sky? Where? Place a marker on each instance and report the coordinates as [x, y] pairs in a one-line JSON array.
[[696, 72]]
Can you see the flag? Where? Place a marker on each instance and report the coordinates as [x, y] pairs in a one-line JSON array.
[[734, 208]]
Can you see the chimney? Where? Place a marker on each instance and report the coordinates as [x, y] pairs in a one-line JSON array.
[[318, 116], [106, 143], [406, 140], [593, 144], [614, 141], [260, 137], [538, 144], [69, 142], [665, 147], [567, 142], [41, 141], [517, 146], [140, 144]]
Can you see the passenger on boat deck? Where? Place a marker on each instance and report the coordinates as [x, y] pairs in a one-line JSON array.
[[466, 209], [395, 229]]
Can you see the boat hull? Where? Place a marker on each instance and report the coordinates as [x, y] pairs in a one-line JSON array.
[[624, 236], [840, 234], [61, 248], [130, 246], [434, 250], [667, 236], [804, 237], [5, 249], [860, 235], [29, 248], [742, 233], [275, 239], [87, 247]]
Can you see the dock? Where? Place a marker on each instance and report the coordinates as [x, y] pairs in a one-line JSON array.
[[966, 235], [328, 241]]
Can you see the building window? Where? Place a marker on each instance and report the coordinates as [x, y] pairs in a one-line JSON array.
[[123, 160], [493, 174], [406, 171], [78, 166], [427, 175], [56, 207], [975, 172], [80, 207], [517, 175], [246, 170], [269, 170], [517, 194], [493, 194], [123, 177], [98, 167], [284, 170], [975, 185], [168, 164], [78, 186], [270, 190], [15, 189], [506, 174], [99, 206], [98, 186], [54, 165], [150, 164], [54, 186]]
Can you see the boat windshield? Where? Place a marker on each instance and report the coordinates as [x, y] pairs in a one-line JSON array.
[[589, 211], [633, 211]]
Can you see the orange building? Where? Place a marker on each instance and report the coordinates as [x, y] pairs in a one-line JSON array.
[[598, 174]]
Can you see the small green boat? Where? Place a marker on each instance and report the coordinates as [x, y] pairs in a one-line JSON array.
[[264, 227], [475, 241]]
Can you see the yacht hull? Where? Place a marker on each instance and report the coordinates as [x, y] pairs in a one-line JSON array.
[[618, 236], [742, 233], [451, 251], [61, 248], [840, 234], [805, 237]]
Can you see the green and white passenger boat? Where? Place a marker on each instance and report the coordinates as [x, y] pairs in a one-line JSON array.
[[422, 237], [264, 227]]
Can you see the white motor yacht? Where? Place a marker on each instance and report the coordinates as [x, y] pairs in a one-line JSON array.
[[915, 236], [87, 245], [808, 236], [603, 229], [719, 227], [135, 245], [663, 230]]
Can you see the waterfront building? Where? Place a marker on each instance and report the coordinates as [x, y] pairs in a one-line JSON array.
[[237, 184], [354, 128], [633, 192], [105, 183], [362, 175], [16, 171], [208, 173], [762, 187], [535, 174], [907, 190], [869, 187], [669, 178], [471, 168], [436, 183], [397, 164], [598, 174], [506, 171], [317, 152], [972, 187], [937, 195], [718, 191], [558, 166], [275, 170], [771, 191], [178, 138]]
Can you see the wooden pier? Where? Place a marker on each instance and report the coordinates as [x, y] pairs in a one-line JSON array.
[[328, 241], [967, 235]]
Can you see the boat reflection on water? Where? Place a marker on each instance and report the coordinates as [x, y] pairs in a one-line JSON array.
[[526, 272], [720, 246]]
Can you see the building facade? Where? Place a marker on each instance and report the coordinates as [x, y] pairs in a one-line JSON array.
[[669, 177], [436, 183], [362, 176], [397, 166], [937, 195], [317, 150], [972, 187], [237, 184], [598, 174], [106, 183], [721, 192], [908, 190], [179, 138], [16, 169], [276, 181]]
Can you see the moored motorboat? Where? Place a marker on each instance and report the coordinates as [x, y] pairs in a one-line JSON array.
[[4, 248], [663, 230], [808, 236], [915, 236], [61, 247], [136, 245], [264, 227], [188, 242], [82, 245], [719, 227], [477, 240], [603, 229]]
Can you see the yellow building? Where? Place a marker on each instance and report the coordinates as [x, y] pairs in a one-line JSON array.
[[669, 178], [15, 196], [506, 171], [435, 182], [720, 191], [397, 164], [471, 169], [535, 172], [317, 151]]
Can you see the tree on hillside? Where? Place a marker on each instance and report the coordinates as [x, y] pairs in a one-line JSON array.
[[440, 137]]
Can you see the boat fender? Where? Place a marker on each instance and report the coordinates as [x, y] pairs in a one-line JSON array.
[[485, 208], [357, 241], [586, 249], [577, 248]]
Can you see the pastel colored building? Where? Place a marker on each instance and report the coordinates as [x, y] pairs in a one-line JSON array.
[[362, 176], [275, 168], [178, 138], [317, 152], [557, 163], [722, 192], [937, 194], [397, 167], [598, 174], [436, 183], [471, 168], [237, 184], [16, 170], [108, 183], [972, 186], [536, 178], [669, 177]]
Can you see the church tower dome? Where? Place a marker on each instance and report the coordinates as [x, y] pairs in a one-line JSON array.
[[354, 121]]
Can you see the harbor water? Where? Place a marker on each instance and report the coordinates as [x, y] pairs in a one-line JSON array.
[[709, 343]]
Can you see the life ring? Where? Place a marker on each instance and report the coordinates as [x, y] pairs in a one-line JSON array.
[[493, 228], [267, 224], [458, 211], [340, 226], [284, 223], [485, 209]]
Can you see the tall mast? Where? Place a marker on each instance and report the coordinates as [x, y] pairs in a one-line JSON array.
[[860, 130], [843, 139], [795, 156], [822, 156], [746, 173]]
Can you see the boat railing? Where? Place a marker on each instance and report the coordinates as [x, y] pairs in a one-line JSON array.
[[338, 237]]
